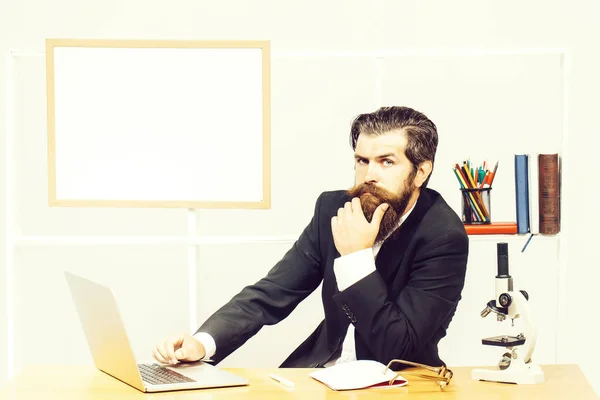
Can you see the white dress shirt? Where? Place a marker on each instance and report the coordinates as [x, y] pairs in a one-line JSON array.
[[348, 270]]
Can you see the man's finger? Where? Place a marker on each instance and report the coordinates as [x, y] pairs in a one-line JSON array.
[[171, 346], [181, 354], [334, 226], [340, 213], [348, 208], [161, 350], [356, 206], [379, 213], [158, 356]]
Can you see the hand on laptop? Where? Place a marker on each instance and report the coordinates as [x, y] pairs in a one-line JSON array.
[[179, 348]]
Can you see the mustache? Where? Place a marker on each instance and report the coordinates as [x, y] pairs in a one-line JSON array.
[[380, 195], [371, 197]]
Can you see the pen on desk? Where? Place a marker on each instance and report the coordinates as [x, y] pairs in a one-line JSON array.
[[283, 381]]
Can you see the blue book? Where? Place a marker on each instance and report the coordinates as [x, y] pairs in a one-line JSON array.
[[522, 193]]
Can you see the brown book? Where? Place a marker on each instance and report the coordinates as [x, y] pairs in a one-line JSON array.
[[549, 194]]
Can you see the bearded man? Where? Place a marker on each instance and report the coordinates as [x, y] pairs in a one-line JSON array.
[[390, 252]]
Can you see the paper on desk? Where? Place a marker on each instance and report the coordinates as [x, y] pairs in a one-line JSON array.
[[357, 375]]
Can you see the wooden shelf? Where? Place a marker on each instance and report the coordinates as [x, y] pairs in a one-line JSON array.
[[519, 237]]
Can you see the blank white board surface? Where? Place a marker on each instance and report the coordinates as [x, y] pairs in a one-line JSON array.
[[158, 124]]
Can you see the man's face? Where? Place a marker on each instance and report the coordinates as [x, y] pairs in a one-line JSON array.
[[383, 174]]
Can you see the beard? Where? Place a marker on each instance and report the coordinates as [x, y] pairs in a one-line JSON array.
[[371, 196]]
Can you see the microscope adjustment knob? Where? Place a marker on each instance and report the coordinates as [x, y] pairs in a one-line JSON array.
[[485, 312], [524, 293], [505, 300]]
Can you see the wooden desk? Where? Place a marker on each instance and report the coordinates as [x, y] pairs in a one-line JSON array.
[[81, 383]]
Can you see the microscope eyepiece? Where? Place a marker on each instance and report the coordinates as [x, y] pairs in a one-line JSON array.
[[502, 251]]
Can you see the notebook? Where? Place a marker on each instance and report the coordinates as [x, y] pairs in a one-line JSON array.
[[358, 374]]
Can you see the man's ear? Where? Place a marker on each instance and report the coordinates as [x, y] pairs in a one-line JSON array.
[[423, 172]]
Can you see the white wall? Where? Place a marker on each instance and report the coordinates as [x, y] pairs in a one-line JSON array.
[[312, 101], [583, 273]]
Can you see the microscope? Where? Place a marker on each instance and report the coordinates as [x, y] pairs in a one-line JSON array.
[[516, 365]]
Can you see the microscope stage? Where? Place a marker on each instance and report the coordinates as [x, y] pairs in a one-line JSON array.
[[504, 341]]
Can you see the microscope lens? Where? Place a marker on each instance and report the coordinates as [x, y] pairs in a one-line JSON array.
[[502, 249]]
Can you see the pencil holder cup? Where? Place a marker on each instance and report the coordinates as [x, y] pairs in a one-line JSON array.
[[476, 206]]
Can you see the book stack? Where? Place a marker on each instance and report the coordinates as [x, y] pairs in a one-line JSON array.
[[537, 190]]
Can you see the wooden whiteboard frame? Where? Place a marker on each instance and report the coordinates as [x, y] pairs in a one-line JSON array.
[[51, 44]]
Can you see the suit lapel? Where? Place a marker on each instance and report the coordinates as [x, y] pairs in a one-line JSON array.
[[393, 249]]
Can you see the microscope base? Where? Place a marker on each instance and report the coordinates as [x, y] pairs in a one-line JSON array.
[[519, 373]]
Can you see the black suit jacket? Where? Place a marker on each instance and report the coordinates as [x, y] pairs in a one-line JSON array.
[[401, 310]]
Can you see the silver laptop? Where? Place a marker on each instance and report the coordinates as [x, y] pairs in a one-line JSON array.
[[112, 353]]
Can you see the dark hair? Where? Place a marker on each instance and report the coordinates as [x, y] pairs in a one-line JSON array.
[[421, 132]]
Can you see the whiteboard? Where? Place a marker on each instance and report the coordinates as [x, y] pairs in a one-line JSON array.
[[158, 123]]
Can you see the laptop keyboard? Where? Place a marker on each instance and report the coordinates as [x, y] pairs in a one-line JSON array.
[[158, 375]]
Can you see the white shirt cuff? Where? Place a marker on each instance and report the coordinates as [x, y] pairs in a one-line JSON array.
[[352, 267], [208, 342]]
